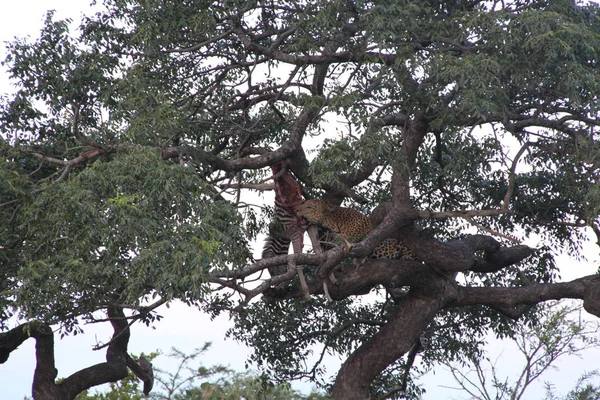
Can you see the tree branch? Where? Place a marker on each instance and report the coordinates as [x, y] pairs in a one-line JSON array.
[[586, 289]]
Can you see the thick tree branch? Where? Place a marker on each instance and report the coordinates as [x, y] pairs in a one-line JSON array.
[[502, 258], [586, 288], [414, 134], [12, 339], [440, 258]]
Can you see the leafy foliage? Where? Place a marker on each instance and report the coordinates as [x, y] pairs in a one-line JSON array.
[[116, 227]]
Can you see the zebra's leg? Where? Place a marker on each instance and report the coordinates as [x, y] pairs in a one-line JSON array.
[[277, 243], [326, 292], [297, 237], [313, 234], [347, 245]]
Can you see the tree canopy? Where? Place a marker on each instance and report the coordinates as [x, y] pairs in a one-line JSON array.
[[133, 149]]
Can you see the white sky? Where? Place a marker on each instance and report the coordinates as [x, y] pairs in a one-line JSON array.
[[188, 329]]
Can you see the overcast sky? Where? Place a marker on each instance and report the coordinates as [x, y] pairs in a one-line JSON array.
[[188, 329]]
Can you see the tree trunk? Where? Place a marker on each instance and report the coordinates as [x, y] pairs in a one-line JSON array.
[[389, 344]]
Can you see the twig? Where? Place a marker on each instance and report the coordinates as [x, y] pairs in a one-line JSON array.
[[8, 203]]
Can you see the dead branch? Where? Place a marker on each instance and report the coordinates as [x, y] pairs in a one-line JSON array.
[[88, 155], [511, 176], [491, 231], [461, 213], [253, 186]]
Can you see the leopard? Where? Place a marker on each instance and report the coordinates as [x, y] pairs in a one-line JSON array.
[[392, 249], [350, 226]]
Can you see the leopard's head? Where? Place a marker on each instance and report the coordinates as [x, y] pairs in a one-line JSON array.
[[312, 210]]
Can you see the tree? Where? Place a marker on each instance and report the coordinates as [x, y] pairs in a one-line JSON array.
[[560, 331], [128, 151]]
